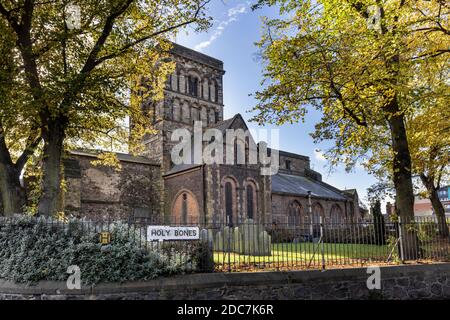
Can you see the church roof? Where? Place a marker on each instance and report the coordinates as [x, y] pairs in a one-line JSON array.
[[350, 192], [227, 123], [298, 185], [181, 167], [120, 156]]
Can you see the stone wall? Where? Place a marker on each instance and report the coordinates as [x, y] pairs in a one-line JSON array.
[[102, 191], [397, 282], [179, 108], [298, 163]]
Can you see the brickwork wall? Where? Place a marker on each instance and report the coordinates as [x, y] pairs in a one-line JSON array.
[[101, 191], [191, 181], [280, 204]]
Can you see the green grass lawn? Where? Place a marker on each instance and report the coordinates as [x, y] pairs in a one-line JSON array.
[[299, 254]]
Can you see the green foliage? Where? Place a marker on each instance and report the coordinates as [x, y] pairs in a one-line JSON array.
[[73, 88], [326, 55], [427, 231], [393, 247], [34, 249]]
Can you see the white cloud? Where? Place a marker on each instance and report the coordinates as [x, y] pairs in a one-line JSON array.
[[241, 8], [319, 155], [232, 16]]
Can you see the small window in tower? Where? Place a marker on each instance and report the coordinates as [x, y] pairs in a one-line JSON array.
[[193, 86], [288, 165], [184, 213], [216, 94], [169, 82]]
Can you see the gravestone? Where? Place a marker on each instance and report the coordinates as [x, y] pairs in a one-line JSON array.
[[264, 243], [206, 235], [255, 240], [206, 258], [224, 239], [249, 238]]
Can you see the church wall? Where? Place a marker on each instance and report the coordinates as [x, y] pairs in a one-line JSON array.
[[281, 202], [191, 181], [298, 164], [241, 174], [100, 191]]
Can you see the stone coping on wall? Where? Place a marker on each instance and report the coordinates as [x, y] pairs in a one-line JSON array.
[[214, 280]]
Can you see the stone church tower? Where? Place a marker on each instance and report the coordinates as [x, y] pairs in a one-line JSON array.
[[193, 93], [193, 192]]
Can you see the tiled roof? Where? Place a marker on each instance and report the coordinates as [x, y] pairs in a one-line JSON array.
[[120, 156], [298, 185], [225, 124]]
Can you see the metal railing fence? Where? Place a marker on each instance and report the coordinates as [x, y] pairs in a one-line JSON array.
[[254, 245]]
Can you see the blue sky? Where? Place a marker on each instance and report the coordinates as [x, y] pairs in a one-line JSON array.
[[231, 39]]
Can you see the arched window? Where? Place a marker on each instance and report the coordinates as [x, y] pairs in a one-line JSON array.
[[317, 212], [216, 93], [195, 115], [185, 113], [174, 82], [169, 82], [212, 91], [192, 86], [205, 89], [211, 118], [294, 213], [250, 201], [176, 111], [184, 209], [204, 115], [336, 214], [229, 203]]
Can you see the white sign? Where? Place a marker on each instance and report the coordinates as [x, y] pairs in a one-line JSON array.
[[159, 233]]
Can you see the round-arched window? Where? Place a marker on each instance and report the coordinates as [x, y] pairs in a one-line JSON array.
[[185, 209]]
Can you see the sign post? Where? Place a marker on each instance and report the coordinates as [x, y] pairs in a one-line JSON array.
[[166, 233]]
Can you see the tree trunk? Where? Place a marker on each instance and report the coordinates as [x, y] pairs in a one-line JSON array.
[[49, 204], [438, 208], [13, 195], [404, 197]]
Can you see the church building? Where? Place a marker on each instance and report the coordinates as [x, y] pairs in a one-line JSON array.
[[151, 186]]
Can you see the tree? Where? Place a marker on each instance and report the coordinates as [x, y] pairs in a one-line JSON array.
[[78, 74], [378, 223], [19, 135], [427, 131], [358, 63], [430, 147]]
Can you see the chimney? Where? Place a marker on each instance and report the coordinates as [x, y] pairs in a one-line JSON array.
[[388, 208]]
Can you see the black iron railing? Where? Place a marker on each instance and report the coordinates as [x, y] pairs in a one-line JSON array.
[[252, 245]]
